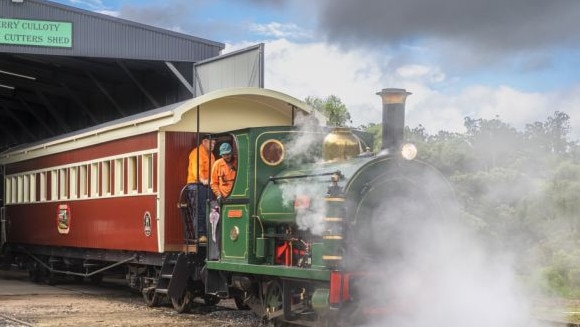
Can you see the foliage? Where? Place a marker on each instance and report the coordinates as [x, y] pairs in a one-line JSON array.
[[331, 107]]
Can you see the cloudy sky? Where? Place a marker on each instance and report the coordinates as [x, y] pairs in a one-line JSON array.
[[518, 60]]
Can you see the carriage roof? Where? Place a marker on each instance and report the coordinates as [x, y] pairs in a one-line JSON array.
[[218, 111]]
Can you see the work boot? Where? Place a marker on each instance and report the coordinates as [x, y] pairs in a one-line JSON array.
[[202, 239]]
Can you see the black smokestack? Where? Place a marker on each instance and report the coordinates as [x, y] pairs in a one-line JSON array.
[[393, 117]]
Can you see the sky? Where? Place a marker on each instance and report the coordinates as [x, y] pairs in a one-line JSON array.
[[516, 60]]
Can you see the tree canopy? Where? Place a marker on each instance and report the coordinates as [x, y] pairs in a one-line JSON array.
[[331, 107]]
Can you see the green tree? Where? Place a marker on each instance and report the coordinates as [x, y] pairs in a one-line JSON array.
[[331, 107]]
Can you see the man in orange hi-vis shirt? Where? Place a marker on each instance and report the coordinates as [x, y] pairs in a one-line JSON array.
[[201, 159], [223, 172]]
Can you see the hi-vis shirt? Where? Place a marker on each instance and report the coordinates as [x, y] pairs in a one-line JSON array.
[[223, 175], [205, 162]]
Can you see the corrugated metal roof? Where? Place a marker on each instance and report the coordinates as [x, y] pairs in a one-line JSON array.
[[99, 35]]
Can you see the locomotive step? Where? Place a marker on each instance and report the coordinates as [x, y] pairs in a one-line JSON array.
[[168, 276]]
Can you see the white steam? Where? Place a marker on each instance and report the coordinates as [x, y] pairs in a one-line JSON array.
[[441, 274], [304, 146]]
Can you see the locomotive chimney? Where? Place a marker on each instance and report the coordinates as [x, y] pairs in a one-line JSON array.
[[393, 117]]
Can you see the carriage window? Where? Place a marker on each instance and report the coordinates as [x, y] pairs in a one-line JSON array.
[[106, 178], [43, 186], [63, 183], [9, 195], [147, 176], [83, 185], [94, 181], [30, 194], [53, 185], [119, 177], [19, 189], [74, 190], [14, 190], [132, 174], [33, 186], [26, 188]]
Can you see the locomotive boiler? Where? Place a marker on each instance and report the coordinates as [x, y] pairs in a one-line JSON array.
[[297, 240]]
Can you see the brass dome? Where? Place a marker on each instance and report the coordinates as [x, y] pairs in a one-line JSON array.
[[340, 144]]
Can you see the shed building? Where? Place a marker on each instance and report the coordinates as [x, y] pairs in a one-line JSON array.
[[64, 69]]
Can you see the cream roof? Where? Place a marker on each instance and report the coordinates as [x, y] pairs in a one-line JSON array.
[[219, 111]]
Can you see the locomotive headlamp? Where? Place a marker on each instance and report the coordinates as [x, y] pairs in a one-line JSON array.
[[409, 151]]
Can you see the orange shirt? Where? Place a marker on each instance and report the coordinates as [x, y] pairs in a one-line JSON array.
[[223, 176], [205, 162]]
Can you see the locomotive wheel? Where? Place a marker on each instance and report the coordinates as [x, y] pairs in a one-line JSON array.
[[239, 300], [183, 304], [151, 298], [211, 300], [274, 297]]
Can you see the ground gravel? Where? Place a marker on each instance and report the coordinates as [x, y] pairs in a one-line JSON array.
[[110, 304]]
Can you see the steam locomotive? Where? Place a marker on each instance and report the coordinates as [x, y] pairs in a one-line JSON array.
[[297, 240]]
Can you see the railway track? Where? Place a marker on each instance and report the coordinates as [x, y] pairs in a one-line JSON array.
[[7, 321]]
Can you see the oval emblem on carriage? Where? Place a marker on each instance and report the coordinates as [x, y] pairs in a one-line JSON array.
[[63, 218], [147, 223]]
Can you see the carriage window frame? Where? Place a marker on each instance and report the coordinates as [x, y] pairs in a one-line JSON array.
[[43, 186], [73, 182], [119, 177], [83, 181], [94, 180], [147, 173], [132, 170], [106, 178], [9, 191], [53, 185], [25, 188]]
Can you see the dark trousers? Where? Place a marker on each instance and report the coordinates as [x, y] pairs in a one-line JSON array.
[[197, 195]]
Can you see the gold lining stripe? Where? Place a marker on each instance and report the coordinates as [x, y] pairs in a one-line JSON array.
[[333, 219], [332, 237]]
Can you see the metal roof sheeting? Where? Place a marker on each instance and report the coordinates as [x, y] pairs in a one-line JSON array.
[[98, 35]]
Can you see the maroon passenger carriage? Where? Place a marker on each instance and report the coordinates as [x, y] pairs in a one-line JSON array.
[[107, 196]]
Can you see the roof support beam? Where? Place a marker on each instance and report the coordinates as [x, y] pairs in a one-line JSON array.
[[7, 135], [106, 94], [22, 126], [38, 118], [53, 111], [180, 77], [139, 85], [79, 103]]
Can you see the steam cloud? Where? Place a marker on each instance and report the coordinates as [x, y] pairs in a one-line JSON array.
[[436, 272], [304, 147]]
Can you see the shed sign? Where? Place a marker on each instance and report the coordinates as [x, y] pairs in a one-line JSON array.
[[36, 32]]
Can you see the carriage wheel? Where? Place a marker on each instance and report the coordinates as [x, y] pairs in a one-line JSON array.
[[211, 300], [152, 299], [182, 304], [34, 273], [96, 279]]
